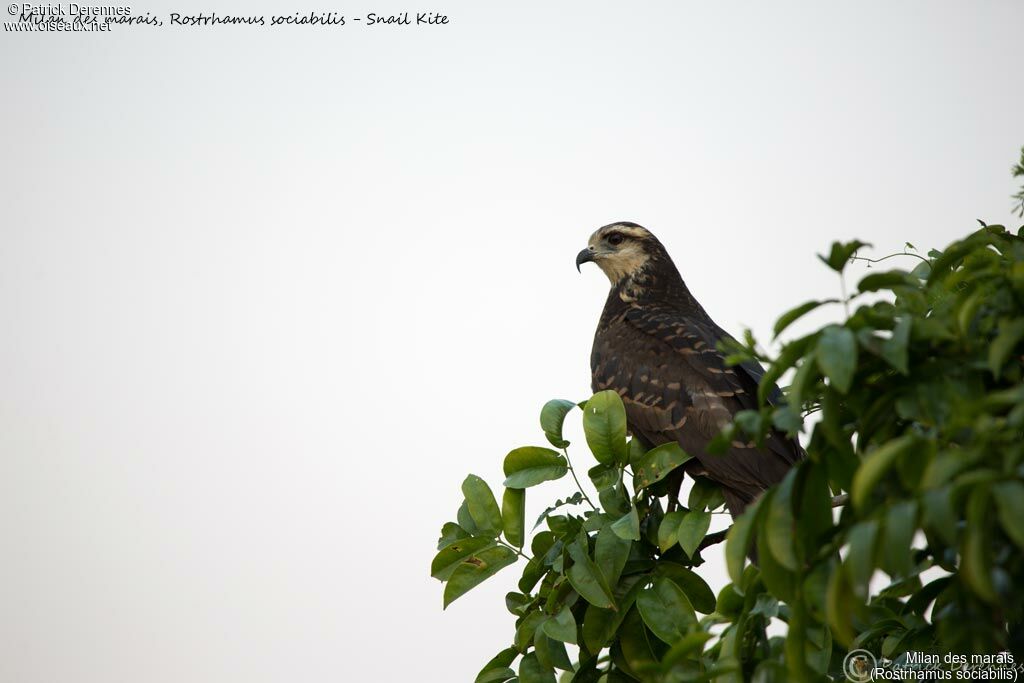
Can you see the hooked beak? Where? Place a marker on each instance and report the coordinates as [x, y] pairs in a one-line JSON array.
[[584, 256]]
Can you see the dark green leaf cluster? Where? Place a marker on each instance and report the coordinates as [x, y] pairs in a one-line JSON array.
[[611, 583], [918, 406], [905, 523]]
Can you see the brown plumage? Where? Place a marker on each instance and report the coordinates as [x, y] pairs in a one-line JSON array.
[[657, 347]]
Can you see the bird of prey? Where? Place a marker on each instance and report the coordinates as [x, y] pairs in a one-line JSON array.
[[657, 348]]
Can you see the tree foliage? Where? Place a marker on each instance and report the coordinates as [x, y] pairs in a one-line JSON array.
[[913, 408]]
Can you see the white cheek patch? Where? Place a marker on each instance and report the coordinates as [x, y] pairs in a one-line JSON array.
[[623, 263]]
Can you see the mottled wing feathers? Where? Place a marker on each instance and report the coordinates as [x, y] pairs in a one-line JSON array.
[[676, 386]]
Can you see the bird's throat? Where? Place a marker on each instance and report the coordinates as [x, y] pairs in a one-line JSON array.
[[636, 286]]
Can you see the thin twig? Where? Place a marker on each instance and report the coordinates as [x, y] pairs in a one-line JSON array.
[[846, 299], [578, 485], [840, 500], [879, 260], [516, 550]]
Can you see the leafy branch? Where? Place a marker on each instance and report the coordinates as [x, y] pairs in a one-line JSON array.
[[919, 406]]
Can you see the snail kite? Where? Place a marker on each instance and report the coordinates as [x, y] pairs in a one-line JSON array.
[[657, 347]]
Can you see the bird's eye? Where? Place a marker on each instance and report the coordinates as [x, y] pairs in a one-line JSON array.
[[615, 239]]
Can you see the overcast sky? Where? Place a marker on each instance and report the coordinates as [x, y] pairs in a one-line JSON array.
[[268, 294]]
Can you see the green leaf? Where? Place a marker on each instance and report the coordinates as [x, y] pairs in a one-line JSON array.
[[739, 540], [841, 605], [804, 380], [840, 254], [636, 451], [976, 567], [532, 573], [727, 669], [837, 356], [792, 315], [600, 625], [604, 477], [894, 349], [532, 465], [483, 508], [874, 466], [667, 530], [517, 603], [697, 590], [526, 630], [475, 570], [532, 671], [900, 525], [921, 600], [451, 556], [666, 611], [552, 417], [796, 643], [657, 463], [689, 647], [610, 554], [466, 520], [513, 516], [787, 357], [780, 526], [780, 581], [812, 506], [969, 307], [945, 262], [938, 514], [766, 605], [750, 423], [860, 559], [692, 529], [886, 280], [787, 420], [585, 577], [1010, 334], [628, 526], [497, 670], [1009, 496], [615, 500], [496, 675], [550, 652], [574, 499], [450, 533], [705, 494], [562, 626], [730, 602], [637, 653], [604, 423]]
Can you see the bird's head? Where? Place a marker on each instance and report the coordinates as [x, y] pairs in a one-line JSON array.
[[621, 250]]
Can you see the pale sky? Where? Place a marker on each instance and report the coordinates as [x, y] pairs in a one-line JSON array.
[[269, 294]]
